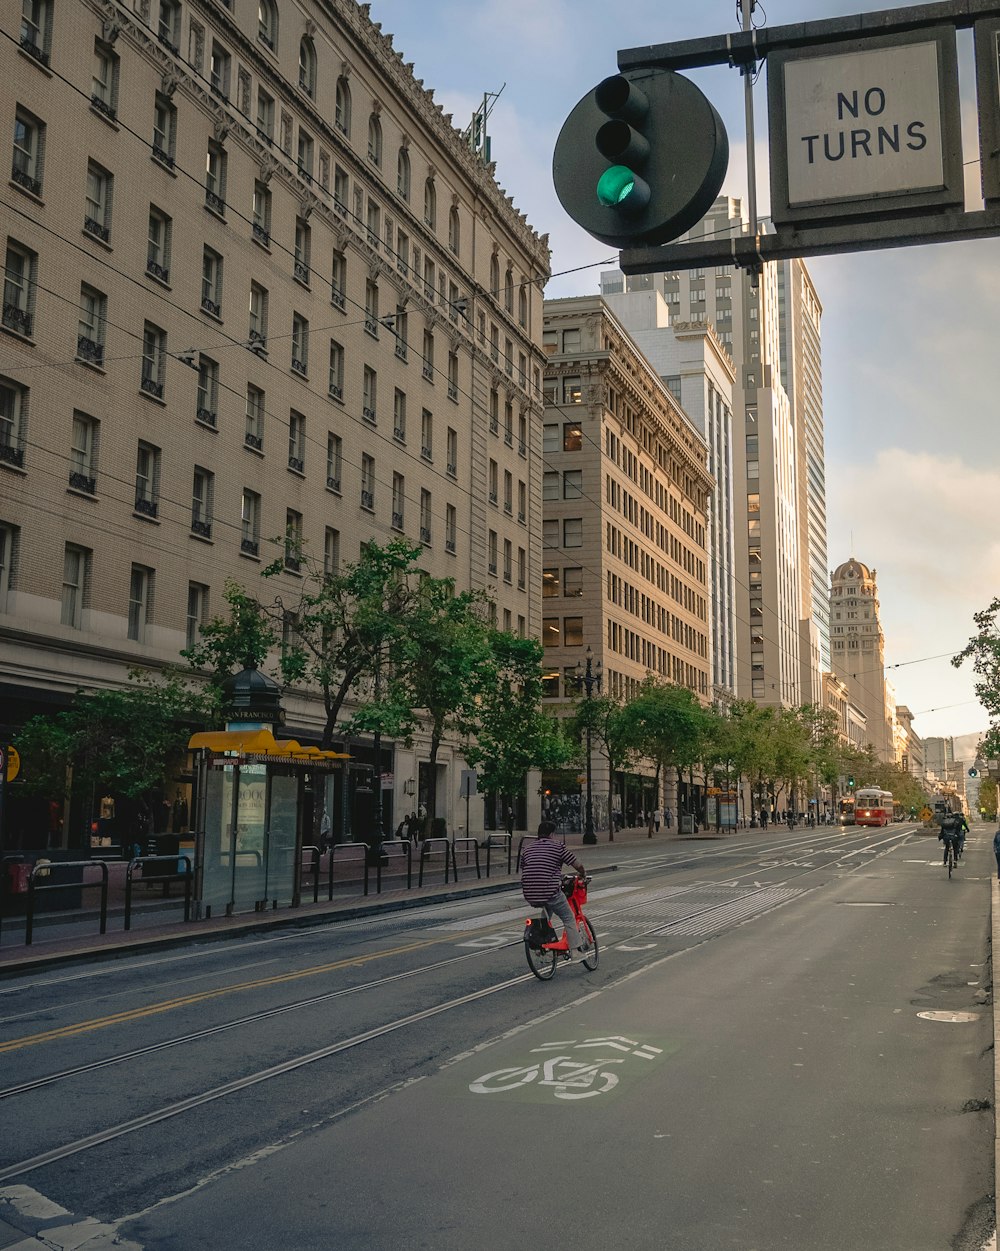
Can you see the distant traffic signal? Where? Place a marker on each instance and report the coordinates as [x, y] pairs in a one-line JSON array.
[[641, 158], [850, 782]]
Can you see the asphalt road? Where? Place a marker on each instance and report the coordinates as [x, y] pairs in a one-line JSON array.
[[782, 1047]]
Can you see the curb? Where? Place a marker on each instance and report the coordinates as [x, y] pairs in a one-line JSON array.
[[239, 927]]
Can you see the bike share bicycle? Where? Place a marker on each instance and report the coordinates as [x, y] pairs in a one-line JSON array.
[[543, 950]]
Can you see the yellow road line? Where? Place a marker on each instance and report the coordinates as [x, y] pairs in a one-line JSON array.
[[168, 1005]]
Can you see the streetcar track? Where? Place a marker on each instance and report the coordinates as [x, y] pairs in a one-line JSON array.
[[179, 1107]]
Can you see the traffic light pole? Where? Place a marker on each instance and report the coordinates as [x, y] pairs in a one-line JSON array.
[[748, 71]]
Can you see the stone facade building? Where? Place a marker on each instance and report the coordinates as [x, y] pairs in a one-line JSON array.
[[256, 284], [626, 494]]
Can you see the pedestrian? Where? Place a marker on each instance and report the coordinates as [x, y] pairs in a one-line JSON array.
[[996, 850], [668, 818], [763, 816], [656, 820]]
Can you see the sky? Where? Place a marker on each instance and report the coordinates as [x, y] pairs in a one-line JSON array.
[[911, 366]]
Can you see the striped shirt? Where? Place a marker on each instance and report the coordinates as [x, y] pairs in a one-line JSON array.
[[541, 869]]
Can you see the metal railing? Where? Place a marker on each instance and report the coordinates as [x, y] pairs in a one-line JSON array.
[[426, 851], [175, 875], [345, 848], [387, 849], [467, 842], [46, 868], [496, 841]]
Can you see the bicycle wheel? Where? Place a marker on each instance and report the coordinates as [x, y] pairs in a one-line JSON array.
[[541, 962], [590, 960], [951, 861]]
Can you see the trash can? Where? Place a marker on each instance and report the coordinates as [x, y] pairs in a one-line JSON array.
[[685, 823], [68, 877]]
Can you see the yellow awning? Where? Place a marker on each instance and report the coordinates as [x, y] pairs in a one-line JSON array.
[[258, 743]]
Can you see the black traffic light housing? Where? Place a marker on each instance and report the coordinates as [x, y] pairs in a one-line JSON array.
[[850, 782], [641, 158]]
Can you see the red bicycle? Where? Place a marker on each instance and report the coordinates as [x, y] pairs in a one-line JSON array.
[[541, 947]]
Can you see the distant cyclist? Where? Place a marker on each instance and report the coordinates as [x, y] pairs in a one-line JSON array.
[[949, 833], [961, 829], [541, 881]]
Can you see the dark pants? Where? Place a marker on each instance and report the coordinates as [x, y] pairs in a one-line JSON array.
[[998, 863]]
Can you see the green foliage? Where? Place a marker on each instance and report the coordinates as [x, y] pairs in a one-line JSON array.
[[131, 741], [988, 798], [510, 733], [984, 652], [668, 724], [240, 640]]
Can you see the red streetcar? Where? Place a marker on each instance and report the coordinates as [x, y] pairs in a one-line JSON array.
[[873, 807]]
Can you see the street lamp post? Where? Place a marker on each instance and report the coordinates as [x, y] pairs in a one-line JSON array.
[[587, 679]]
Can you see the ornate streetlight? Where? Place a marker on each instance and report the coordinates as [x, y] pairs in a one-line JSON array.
[[587, 679]]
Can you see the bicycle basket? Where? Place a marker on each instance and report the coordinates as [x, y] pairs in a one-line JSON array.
[[538, 931]]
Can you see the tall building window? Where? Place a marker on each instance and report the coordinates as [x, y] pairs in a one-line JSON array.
[[220, 68], [399, 415], [303, 249], [375, 140], [454, 230], [425, 516], [19, 289], [367, 482], [104, 85], [140, 602], [403, 174], [334, 457], [250, 524], [336, 383], [342, 107], [97, 209], [197, 612], [211, 283], [90, 330], [75, 588], [305, 154], [452, 452], [258, 317], [154, 360], [267, 23], [254, 436], [147, 479], [202, 493], [450, 527], [300, 344], [293, 540], [83, 454], [207, 407], [260, 226], [296, 441], [428, 356], [164, 146], [168, 25], [369, 395], [265, 116], [158, 245], [307, 66], [36, 29], [29, 147], [331, 552], [216, 162], [13, 422], [430, 204], [371, 307], [338, 281], [398, 500], [9, 543]]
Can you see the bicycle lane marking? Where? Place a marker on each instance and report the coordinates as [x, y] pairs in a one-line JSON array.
[[574, 1069]]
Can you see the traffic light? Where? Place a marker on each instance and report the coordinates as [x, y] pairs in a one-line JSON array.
[[641, 158], [850, 782]]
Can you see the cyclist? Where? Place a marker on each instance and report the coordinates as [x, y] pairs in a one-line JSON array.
[[949, 834], [541, 882], [961, 829]]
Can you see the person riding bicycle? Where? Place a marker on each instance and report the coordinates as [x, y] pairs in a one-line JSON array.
[[949, 834], [961, 829], [541, 882]]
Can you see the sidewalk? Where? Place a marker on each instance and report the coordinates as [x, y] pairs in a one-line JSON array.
[[348, 903]]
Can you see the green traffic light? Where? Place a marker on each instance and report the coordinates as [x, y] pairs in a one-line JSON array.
[[615, 185]]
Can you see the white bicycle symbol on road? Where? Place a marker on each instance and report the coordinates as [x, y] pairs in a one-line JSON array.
[[567, 1078]]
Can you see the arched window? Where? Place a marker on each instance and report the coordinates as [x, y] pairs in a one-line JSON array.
[[307, 66], [375, 140], [454, 230], [508, 290], [522, 306], [267, 23], [430, 203], [403, 174], [494, 276], [342, 114]]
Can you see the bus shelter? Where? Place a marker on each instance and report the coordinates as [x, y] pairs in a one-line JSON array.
[[251, 794]]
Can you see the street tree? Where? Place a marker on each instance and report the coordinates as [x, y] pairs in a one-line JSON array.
[[241, 639], [669, 726], [612, 730], [510, 734], [983, 649]]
